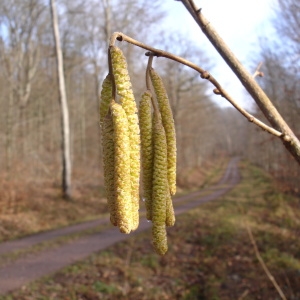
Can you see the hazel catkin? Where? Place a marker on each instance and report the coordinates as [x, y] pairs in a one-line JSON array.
[[170, 215], [109, 162], [122, 168], [145, 120], [159, 239], [169, 126], [124, 90], [159, 183], [105, 97]]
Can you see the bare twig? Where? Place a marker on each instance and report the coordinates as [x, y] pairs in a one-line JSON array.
[[258, 72], [114, 89], [149, 66], [289, 139], [246, 292], [204, 74], [148, 83], [262, 263]]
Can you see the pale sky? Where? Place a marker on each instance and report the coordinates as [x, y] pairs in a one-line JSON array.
[[239, 22]]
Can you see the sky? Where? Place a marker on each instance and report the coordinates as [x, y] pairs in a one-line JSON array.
[[239, 22]]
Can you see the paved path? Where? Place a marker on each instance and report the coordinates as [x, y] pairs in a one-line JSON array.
[[24, 270]]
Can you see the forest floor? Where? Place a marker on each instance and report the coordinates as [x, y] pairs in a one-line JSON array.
[[210, 254], [26, 259], [32, 206]]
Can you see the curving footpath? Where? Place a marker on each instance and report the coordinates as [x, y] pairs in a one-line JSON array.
[[27, 269]]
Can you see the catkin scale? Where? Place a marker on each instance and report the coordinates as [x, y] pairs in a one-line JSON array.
[[145, 121], [168, 123], [105, 97], [122, 168], [109, 162], [160, 183], [124, 90]]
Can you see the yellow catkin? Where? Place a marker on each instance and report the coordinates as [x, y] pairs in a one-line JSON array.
[[105, 98], [122, 168], [160, 183], [124, 90], [170, 215], [145, 119], [168, 123], [159, 239], [109, 162]]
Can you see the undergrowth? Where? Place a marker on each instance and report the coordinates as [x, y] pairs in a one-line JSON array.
[[210, 255]]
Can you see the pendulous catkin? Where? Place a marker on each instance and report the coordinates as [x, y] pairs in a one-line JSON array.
[[145, 120], [168, 123], [109, 163], [105, 97], [122, 168], [159, 239], [124, 90], [170, 215], [160, 183]]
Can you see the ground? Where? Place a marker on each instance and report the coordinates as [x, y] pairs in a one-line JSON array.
[[210, 254]]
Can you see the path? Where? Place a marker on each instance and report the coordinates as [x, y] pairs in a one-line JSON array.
[[24, 270]]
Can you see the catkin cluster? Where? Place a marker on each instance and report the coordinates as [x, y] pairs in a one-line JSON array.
[[124, 132], [124, 90], [121, 145], [168, 122], [156, 164]]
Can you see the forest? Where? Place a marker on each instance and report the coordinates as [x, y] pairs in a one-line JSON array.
[[208, 134], [29, 94]]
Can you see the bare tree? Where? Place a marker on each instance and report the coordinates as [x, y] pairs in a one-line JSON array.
[[287, 136], [65, 127], [281, 68]]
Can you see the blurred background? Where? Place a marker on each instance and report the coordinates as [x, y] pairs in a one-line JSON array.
[[208, 129]]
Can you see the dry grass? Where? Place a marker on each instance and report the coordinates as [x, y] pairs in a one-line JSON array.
[[29, 204], [29, 207]]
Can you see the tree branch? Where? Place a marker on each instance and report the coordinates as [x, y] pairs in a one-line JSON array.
[[289, 139], [262, 263], [203, 73]]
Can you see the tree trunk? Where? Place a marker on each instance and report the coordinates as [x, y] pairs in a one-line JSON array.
[[65, 126]]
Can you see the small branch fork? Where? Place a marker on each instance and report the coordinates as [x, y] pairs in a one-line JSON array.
[[203, 73], [289, 139], [264, 266]]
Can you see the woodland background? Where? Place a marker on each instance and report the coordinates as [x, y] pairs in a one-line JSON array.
[[30, 138]]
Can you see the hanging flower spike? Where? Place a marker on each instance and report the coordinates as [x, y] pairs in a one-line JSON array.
[[122, 168], [109, 162], [159, 239], [124, 90], [168, 123], [105, 98], [160, 183], [170, 215], [145, 119]]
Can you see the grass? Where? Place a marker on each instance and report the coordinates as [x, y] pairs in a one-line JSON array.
[[210, 255]]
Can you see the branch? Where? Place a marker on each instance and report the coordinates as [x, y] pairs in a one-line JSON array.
[[289, 139], [264, 266], [148, 83], [149, 66], [258, 72], [203, 73], [114, 89]]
